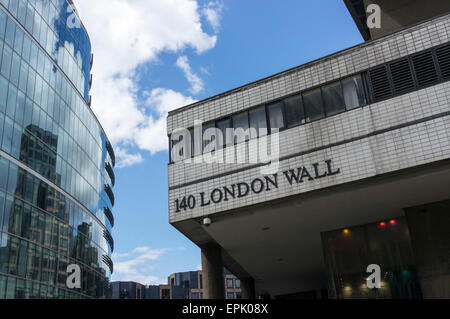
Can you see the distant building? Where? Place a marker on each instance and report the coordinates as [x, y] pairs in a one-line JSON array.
[[181, 285]]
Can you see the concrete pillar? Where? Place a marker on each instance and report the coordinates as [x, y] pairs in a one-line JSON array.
[[212, 268], [248, 288]]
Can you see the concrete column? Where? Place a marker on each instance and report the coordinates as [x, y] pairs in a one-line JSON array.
[[212, 268], [248, 288]]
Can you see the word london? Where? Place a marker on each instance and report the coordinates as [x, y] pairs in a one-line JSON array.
[[257, 186]]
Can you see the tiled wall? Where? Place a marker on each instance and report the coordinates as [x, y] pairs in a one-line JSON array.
[[364, 157]]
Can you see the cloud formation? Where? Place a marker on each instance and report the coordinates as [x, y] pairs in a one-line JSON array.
[[139, 265], [213, 12], [194, 80], [128, 34]]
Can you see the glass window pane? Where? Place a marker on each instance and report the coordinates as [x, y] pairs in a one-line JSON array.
[[7, 135], [3, 280], [295, 113], [177, 148], [258, 123], [353, 92], [11, 288], [313, 105], [3, 93], [209, 138], [240, 125], [227, 135], [276, 117], [10, 30], [333, 98], [196, 142], [6, 61], [4, 167]]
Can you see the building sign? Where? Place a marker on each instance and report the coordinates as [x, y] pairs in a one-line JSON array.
[[257, 186]]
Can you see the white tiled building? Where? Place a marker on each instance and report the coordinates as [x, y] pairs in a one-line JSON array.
[[367, 132]]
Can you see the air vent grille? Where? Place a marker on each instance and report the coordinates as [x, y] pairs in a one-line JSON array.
[[402, 78], [380, 83], [443, 57], [425, 69]]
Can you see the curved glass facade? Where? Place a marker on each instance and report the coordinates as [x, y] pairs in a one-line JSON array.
[[56, 164]]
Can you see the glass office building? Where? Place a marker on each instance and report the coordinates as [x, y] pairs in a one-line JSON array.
[[56, 163]]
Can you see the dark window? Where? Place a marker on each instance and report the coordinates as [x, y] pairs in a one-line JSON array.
[[4, 167], [295, 114], [276, 116], [230, 295], [313, 105], [177, 148], [227, 135], [238, 283], [209, 138], [230, 283], [353, 92], [258, 122], [333, 98], [240, 125], [191, 134], [196, 142]]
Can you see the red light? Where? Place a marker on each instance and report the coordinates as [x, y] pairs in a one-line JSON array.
[[392, 222], [382, 224]]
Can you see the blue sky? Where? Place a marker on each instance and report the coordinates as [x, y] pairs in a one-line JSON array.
[[152, 56]]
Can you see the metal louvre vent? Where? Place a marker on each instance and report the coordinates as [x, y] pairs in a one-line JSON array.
[[425, 69], [379, 80], [107, 260], [110, 172], [402, 77], [111, 153], [443, 57], [110, 194], [109, 215], [109, 239]]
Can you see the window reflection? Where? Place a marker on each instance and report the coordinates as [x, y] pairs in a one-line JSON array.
[[333, 98], [258, 122], [45, 123], [353, 92], [276, 116], [313, 105], [295, 113]]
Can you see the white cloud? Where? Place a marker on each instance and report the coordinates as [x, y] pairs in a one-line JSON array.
[[125, 35], [138, 266], [194, 80], [120, 255], [213, 13], [151, 135], [127, 159]]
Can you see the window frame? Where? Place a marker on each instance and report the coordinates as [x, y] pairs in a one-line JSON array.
[[365, 91]]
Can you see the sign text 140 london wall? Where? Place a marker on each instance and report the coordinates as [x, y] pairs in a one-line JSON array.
[[256, 186]]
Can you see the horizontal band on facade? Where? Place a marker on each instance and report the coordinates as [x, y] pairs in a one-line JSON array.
[[316, 149]]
